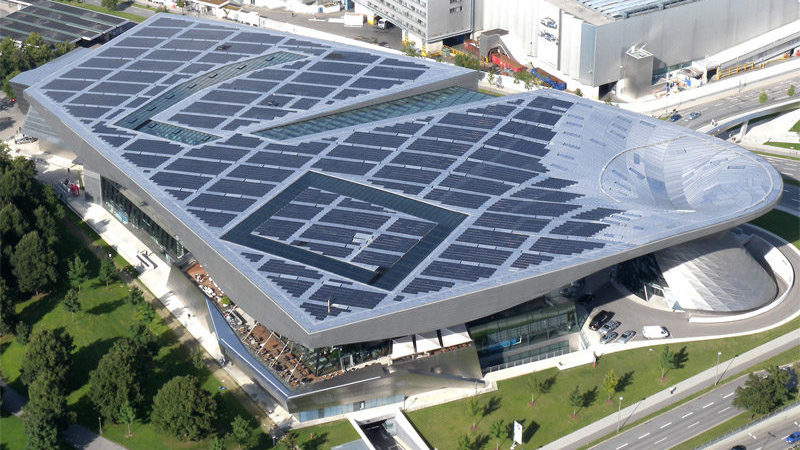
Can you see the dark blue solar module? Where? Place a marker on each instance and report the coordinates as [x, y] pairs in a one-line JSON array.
[[284, 268], [550, 103], [347, 296], [238, 187], [494, 172], [374, 83], [298, 211], [282, 229], [259, 173], [456, 271], [221, 202], [574, 228], [509, 159], [292, 286], [509, 222], [393, 243], [422, 160], [529, 259], [142, 160], [407, 174], [476, 254], [517, 145], [467, 120], [347, 202], [443, 147], [492, 238], [376, 259], [402, 187], [532, 115], [377, 140], [422, 285], [214, 219], [454, 198], [532, 208], [355, 219], [597, 214], [475, 185], [563, 246], [278, 159], [458, 134], [411, 227], [546, 195], [217, 152], [555, 183], [341, 166]]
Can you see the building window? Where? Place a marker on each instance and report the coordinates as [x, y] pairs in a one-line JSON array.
[[456, 9]]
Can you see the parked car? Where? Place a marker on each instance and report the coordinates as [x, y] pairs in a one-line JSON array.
[[600, 319], [674, 117], [693, 116], [654, 332], [25, 140], [609, 326], [792, 438], [626, 336], [608, 338]]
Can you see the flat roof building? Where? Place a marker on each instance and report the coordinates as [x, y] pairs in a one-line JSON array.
[[355, 204]]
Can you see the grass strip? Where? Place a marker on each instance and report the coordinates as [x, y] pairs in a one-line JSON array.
[[100, 9]]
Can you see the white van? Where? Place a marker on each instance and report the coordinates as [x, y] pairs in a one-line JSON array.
[[654, 332]]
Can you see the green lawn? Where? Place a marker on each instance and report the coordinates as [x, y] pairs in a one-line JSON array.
[[325, 436], [790, 145], [105, 318], [795, 127], [12, 432], [781, 223], [124, 15]]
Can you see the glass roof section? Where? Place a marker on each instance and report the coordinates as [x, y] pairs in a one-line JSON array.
[[429, 101]]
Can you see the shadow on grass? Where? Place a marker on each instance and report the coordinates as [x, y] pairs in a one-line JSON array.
[[312, 444], [624, 381], [36, 309], [589, 397], [106, 308], [681, 358], [548, 383], [492, 405], [86, 358]]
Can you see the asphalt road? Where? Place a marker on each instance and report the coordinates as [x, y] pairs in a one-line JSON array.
[[682, 423], [733, 102], [791, 198], [787, 167], [768, 435]]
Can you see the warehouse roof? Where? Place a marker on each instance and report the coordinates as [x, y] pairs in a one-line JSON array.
[[59, 23], [348, 184]]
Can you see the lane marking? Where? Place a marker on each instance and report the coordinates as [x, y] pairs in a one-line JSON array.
[[686, 415], [725, 409], [704, 407], [623, 445], [660, 440], [644, 435], [690, 426], [728, 395], [665, 425]]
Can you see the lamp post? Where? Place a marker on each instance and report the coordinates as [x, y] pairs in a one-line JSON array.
[[716, 370], [100, 423], [619, 413]]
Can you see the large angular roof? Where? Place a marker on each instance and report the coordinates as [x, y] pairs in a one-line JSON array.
[[388, 204]]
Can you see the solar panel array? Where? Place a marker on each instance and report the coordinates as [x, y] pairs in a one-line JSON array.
[[279, 152]]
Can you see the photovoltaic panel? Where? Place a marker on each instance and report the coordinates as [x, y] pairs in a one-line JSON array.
[[118, 88], [321, 78], [67, 85], [374, 83], [407, 174], [284, 268], [278, 159], [402, 187], [210, 35], [212, 218], [597, 214], [532, 115], [492, 238], [264, 113], [262, 38], [294, 287], [443, 147], [136, 76], [296, 211], [454, 198], [197, 68], [180, 180], [276, 100], [154, 146], [401, 128], [220, 95], [509, 222], [355, 219], [509, 159], [220, 58], [583, 229], [467, 120], [238, 187], [180, 195], [337, 67], [304, 103], [397, 62], [376, 140], [376, 258], [282, 229], [172, 55], [141, 42], [458, 134], [129, 53], [141, 160], [529, 259], [59, 96], [421, 285], [86, 74], [411, 227], [250, 85], [455, 271], [259, 173], [219, 109], [532, 208], [305, 90], [480, 255], [495, 172], [550, 103], [217, 152], [271, 74], [155, 66], [493, 110], [423, 160], [221, 202], [394, 73], [157, 32], [527, 130], [555, 183], [330, 234], [345, 56], [359, 153], [347, 296], [347, 93], [475, 185], [245, 48], [334, 251], [546, 195], [197, 166], [341, 166], [517, 145]]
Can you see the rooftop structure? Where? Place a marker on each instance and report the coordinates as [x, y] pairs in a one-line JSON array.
[[343, 195], [622, 9], [60, 23]]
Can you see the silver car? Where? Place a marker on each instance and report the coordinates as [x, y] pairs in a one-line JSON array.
[[609, 326], [609, 338], [626, 336]]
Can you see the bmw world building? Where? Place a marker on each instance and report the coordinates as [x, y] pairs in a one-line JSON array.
[[361, 226]]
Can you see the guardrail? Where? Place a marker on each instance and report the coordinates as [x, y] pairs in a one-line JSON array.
[[527, 360], [755, 422]]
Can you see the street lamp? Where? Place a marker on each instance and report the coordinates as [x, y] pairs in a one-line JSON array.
[[716, 370], [619, 413]]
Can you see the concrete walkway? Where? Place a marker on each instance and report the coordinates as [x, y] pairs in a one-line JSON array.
[[75, 435], [685, 388]]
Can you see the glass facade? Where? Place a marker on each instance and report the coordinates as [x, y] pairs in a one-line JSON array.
[[314, 414], [525, 331], [639, 272], [134, 218]]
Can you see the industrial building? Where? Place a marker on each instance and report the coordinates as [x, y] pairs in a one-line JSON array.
[[357, 226]]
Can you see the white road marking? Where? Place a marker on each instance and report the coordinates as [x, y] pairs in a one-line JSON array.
[[644, 435], [704, 407], [686, 415], [665, 425], [690, 426], [623, 445], [660, 440], [728, 395], [725, 409]]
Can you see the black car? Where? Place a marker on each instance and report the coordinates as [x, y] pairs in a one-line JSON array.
[[600, 319], [674, 117]]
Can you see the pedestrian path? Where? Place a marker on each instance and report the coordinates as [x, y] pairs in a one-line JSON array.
[[669, 396]]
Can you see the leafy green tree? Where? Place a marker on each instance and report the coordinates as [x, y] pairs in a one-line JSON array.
[[35, 52], [46, 224], [33, 263], [762, 97], [468, 61], [8, 313], [46, 412], [290, 439], [41, 431], [71, 302], [108, 271], [22, 331], [17, 183], [241, 430], [763, 394], [180, 4], [610, 383], [578, 92], [575, 400], [127, 415], [77, 272], [198, 358], [474, 409], [410, 49], [62, 48], [145, 312], [499, 431], [116, 380], [790, 92], [110, 4], [537, 386], [135, 296], [526, 78], [49, 351], [9, 56], [217, 443], [183, 409], [143, 337], [666, 360], [464, 443], [13, 224]]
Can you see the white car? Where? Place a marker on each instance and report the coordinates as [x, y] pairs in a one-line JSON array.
[[654, 332]]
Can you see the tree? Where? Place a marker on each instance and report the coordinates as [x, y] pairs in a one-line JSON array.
[[108, 271], [110, 4], [217, 443], [240, 428], [46, 412], [115, 382], [145, 312], [135, 296], [182, 408], [474, 408], [33, 264], [468, 61], [77, 272], [127, 415], [180, 4], [46, 224], [610, 382], [498, 431], [763, 394], [22, 331], [666, 360], [8, 313], [410, 49], [464, 443], [49, 351], [526, 78], [537, 387], [35, 52], [575, 400], [790, 92], [41, 432], [143, 337], [762, 97], [13, 224], [290, 439], [71, 302], [578, 92]]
